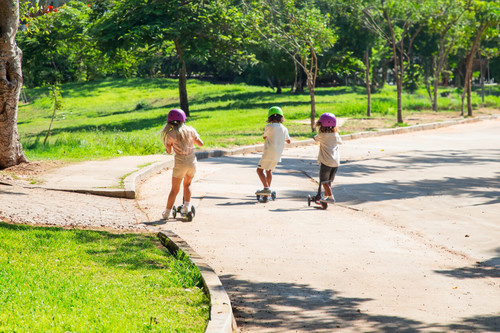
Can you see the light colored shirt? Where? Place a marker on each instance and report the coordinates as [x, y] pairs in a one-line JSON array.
[[328, 148], [276, 134], [186, 148]]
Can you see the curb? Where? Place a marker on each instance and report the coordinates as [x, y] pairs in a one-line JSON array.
[[131, 181], [221, 313], [129, 190]]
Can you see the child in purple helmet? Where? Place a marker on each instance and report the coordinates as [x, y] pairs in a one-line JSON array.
[[328, 157], [180, 139]]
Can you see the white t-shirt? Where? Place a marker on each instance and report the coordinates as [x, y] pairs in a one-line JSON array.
[[276, 134], [328, 148]]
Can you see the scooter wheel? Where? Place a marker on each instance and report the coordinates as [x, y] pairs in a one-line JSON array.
[[174, 212], [324, 205], [258, 197], [189, 216], [179, 208], [273, 195], [309, 200], [193, 211], [264, 198]]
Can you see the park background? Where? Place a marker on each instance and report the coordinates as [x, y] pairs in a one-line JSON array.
[[100, 77]]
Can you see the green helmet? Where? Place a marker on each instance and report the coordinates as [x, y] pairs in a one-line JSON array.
[[274, 110]]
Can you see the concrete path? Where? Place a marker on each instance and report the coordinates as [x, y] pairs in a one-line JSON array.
[[412, 244]]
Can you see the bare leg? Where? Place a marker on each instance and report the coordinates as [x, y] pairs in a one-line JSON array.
[[269, 174], [176, 185], [187, 188], [262, 177], [328, 189]]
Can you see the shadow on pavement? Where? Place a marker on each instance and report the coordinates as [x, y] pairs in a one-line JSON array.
[[393, 190], [418, 161], [324, 311], [485, 269]]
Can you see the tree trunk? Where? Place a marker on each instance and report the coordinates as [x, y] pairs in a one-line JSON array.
[[426, 81], [183, 96], [312, 74], [11, 82], [481, 62], [367, 82], [398, 72], [310, 85], [436, 85], [468, 70]]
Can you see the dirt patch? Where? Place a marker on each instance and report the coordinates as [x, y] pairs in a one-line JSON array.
[[29, 172]]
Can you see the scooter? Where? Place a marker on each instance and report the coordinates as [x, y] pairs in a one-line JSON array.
[[265, 197], [188, 216], [316, 199]]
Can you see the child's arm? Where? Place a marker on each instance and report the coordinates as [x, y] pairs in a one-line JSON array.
[[198, 141], [168, 147]]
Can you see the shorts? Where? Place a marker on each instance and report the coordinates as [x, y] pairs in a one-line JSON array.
[[267, 165], [185, 165], [326, 173]]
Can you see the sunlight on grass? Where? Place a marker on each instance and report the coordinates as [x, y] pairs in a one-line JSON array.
[[53, 279], [124, 117]]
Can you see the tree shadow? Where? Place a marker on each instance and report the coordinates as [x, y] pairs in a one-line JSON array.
[[270, 306], [397, 190], [418, 160], [485, 269], [126, 251], [474, 186]]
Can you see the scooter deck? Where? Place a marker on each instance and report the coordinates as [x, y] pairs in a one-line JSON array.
[[265, 197]]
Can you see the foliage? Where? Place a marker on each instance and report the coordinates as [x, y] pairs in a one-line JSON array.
[[101, 119], [58, 48], [53, 279], [253, 40]]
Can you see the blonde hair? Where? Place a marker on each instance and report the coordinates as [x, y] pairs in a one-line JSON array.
[[180, 131], [322, 129]]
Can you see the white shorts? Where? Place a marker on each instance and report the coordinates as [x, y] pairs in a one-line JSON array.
[[267, 165]]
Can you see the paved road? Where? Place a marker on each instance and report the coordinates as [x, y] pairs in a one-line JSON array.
[[413, 243]]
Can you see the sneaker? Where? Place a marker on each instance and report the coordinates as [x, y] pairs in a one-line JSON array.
[[184, 210], [327, 200], [165, 215], [263, 192]]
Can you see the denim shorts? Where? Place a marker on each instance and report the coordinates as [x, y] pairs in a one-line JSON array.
[[326, 173]]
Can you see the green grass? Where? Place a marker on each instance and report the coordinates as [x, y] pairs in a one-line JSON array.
[[124, 117], [56, 280]]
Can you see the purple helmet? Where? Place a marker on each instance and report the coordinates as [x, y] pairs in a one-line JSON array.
[[176, 115], [328, 120]]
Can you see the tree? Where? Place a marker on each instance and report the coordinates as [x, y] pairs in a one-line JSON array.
[[299, 29], [11, 82], [189, 28], [444, 23], [354, 46], [398, 22], [484, 15]]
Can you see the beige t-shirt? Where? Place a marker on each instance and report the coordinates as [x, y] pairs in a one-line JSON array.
[[328, 148], [186, 148]]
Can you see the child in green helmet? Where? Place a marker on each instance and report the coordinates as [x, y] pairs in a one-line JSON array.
[[275, 136]]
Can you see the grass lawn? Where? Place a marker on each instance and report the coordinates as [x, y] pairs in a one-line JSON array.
[[124, 116], [57, 280]]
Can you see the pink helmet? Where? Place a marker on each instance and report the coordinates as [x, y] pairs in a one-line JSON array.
[[176, 115], [328, 120]]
